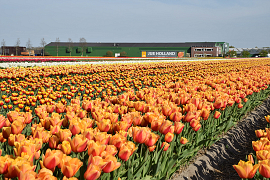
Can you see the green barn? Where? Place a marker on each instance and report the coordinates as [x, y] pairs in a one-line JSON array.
[[136, 49]]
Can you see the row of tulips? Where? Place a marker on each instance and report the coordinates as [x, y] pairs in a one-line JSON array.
[[257, 165], [143, 132], [36, 60]]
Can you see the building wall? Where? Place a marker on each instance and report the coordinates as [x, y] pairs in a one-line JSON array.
[[205, 51], [11, 50], [101, 51]]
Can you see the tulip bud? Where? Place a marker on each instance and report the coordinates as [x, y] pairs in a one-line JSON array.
[[183, 140], [250, 158], [169, 137], [166, 146], [217, 114]]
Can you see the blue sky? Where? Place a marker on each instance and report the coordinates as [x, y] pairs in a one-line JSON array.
[[242, 23]]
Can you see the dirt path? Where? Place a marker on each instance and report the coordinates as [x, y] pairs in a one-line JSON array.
[[233, 147]]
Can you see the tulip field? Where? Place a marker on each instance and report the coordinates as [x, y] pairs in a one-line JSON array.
[[125, 121]]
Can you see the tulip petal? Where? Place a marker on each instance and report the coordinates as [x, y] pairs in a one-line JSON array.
[[241, 171], [264, 170]]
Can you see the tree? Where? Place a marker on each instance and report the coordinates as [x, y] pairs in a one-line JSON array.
[[70, 44], [18, 42], [231, 47], [245, 54], [57, 44], [109, 54], [3, 43], [263, 53], [43, 43], [123, 54], [82, 43], [232, 53], [29, 46]]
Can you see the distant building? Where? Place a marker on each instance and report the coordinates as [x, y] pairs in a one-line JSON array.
[[254, 52], [11, 50], [186, 49]]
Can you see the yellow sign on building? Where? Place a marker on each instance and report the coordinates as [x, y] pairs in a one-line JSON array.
[[143, 53]]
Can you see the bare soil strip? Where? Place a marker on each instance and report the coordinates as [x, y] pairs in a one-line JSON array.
[[234, 146]]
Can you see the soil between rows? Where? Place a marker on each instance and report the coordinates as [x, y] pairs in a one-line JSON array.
[[216, 163]]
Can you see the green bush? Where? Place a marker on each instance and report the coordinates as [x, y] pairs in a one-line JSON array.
[[123, 54], [109, 54]]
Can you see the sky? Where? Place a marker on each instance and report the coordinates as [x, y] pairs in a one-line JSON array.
[[241, 23]]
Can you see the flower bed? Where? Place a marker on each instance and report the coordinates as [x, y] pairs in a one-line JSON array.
[[136, 121]]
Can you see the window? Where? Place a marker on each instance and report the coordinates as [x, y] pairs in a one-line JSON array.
[[198, 55], [198, 49], [208, 55], [208, 49]]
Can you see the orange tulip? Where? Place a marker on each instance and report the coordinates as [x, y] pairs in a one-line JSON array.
[[117, 140], [152, 139], [189, 116], [264, 168], [165, 145], [259, 145], [178, 127], [78, 143], [259, 133], [104, 125], [246, 169], [95, 148], [263, 154], [17, 127], [217, 114], [169, 137], [19, 165], [183, 140], [51, 159], [87, 105], [267, 118], [197, 127], [65, 147], [15, 138], [152, 148], [4, 163], [12, 115], [205, 113], [102, 137], [2, 121], [60, 108], [250, 158], [54, 129], [28, 117], [140, 134], [126, 150], [69, 167], [30, 175], [111, 165], [166, 126], [92, 173], [176, 116], [50, 108], [111, 150], [64, 134], [45, 173], [53, 142]]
